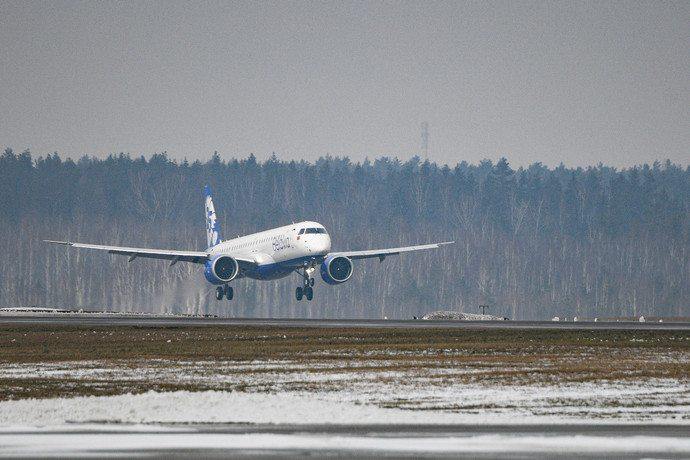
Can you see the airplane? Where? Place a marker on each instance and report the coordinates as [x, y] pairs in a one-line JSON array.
[[269, 255]]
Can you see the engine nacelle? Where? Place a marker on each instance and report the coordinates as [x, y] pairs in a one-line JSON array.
[[336, 269], [221, 269]]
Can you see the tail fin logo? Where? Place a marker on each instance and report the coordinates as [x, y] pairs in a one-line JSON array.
[[212, 226]]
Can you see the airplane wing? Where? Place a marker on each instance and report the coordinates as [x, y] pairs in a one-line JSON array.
[[198, 257], [383, 253]]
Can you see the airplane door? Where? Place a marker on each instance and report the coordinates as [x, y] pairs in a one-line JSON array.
[[303, 240]]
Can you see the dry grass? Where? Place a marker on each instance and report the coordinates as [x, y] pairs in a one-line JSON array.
[[440, 356]]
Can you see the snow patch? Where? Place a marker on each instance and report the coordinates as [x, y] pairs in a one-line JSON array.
[[508, 405]]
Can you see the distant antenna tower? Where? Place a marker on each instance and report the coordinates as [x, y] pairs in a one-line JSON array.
[[425, 139]]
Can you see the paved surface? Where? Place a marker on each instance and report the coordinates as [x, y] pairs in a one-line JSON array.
[[148, 320], [412, 441]]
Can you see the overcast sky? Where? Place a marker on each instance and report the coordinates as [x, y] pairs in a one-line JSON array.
[[571, 82]]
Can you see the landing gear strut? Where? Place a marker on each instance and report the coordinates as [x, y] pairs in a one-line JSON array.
[[306, 290]]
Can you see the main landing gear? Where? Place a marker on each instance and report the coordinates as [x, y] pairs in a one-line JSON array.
[[305, 291], [226, 291], [307, 288]]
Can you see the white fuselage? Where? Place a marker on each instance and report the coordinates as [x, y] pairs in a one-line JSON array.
[[277, 251]]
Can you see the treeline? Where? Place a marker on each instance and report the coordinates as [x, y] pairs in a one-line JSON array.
[[531, 243]]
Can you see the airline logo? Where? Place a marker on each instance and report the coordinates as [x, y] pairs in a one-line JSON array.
[[212, 227]]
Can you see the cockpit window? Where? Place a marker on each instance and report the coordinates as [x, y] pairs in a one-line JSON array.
[[315, 230], [302, 231]]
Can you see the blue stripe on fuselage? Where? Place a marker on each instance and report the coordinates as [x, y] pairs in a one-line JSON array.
[[280, 269]]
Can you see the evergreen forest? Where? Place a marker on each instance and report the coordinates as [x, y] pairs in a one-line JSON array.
[[531, 242]]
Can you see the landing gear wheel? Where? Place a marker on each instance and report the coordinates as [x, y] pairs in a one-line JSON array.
[[298, 294], [229, 292], [219, 293], [309, 292], [311, 282]]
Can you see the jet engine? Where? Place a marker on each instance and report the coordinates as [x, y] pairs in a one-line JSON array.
[[336, 269], [221, 269]]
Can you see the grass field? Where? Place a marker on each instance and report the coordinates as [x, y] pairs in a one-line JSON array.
[[40, 361]]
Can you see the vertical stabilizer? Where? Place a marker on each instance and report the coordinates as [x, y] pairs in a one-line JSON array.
[[212, 226]]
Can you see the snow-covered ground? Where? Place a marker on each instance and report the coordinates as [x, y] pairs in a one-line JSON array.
[[160, 423], [657, 401], [572, 404], [329, 392]]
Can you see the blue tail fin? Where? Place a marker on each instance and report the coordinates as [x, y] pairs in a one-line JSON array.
[[212, 226]]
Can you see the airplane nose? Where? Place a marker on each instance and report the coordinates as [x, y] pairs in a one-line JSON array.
[[322, 245], [318, 244]]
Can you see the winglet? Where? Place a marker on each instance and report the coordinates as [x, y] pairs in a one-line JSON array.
[[67, 243]]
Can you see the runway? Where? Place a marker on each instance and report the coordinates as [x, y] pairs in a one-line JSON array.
[[88, 319], [349, 441]]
